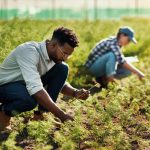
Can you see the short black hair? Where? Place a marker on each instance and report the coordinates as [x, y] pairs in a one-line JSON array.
[[64, 35]]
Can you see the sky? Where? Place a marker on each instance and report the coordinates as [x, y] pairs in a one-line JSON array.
[[73, 4]]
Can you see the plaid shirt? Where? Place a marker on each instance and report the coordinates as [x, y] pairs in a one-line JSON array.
[[104, 46]]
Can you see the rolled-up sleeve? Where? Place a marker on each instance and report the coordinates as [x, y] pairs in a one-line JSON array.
[[117, 51], [27, 60]]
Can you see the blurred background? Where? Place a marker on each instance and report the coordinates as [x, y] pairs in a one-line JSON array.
[[73, 9]]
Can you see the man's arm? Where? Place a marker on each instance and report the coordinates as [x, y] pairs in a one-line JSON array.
[[133, 69], [28, 60], [121, 60], [45, 100], [73, 92]]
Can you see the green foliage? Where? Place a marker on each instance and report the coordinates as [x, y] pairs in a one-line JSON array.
[[116, 118]]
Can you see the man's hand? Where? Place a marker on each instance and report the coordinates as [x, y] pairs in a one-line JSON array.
[[140, 75], [81, 94], [134, 70], [73, 92], [45, 100], [66, 117]]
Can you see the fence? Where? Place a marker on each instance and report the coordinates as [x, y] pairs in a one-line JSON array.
[[73, 9]]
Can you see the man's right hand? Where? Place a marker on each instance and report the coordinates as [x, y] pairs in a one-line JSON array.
[[140, 75], [134, 70], [45, 100], [66, 117]]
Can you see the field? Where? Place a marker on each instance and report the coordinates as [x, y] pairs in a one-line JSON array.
[[114, 119]]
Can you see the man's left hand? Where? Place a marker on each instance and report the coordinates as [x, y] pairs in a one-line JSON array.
[[82, 94]]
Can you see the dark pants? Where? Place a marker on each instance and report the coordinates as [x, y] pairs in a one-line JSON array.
[[16, 99]]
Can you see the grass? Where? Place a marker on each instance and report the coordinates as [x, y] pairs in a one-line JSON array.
[[113, 119]]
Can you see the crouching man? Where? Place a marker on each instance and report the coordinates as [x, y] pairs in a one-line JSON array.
[[106, 61], [35, 73]]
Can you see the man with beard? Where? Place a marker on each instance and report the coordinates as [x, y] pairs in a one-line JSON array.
[[35, 73]]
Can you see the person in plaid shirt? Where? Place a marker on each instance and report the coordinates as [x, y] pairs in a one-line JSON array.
[[106, 61]]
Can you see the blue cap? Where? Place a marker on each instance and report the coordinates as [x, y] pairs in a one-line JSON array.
[[129, 32]]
